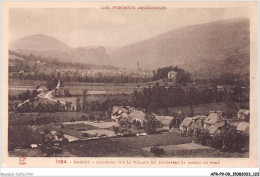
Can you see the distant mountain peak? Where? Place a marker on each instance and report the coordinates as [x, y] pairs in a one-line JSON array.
[[39, 42], [49, 47]]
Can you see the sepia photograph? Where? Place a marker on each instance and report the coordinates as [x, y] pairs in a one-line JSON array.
[[129, 80]]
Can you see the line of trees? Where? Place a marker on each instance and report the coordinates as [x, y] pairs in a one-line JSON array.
[[41, 107], [73, 77], [160, 97], [24, 95]]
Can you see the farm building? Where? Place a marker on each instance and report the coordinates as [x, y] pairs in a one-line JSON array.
[[217, 127], [137, 115], [172, 75], [242, 114], [212, 119], [130, 113], [185, 124], [165, 120], [198, 121], [59, 92], [41, 88], [119, 111], [243, 127]]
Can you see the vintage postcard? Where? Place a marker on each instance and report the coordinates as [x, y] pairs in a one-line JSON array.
[[129, 84]]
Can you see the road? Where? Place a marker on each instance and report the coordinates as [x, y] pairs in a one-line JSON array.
[[48, 95]]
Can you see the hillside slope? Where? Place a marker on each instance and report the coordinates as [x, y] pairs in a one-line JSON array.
[[221, 46], [49, 47]]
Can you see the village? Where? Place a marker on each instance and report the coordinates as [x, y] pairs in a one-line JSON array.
[[76, 122]]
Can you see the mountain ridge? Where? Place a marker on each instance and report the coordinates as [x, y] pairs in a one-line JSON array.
[[50, 47], [191, 46]]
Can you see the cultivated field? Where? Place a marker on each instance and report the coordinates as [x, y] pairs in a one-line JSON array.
[[16, 86], [124, 146], [75, 88], [57, 118]]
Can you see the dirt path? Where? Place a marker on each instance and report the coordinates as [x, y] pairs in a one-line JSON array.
[[48, 96]]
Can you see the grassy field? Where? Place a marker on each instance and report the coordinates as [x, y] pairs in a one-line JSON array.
[[57, 118], [110, 147], [132, 147], [35, 153], [219, 154], [75, 88], [124, 146], [96, 97], [16, 86]]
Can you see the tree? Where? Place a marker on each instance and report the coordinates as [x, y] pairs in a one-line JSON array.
[[191, 113], [68, 105], [52, 83], [78, 105], [67, 93], [151, 125]]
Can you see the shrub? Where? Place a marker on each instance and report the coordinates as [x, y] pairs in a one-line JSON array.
[[157, 150], [22, 137], [83, 117], [116, 129], [203, 138], [217, 141], [151, 125], [85, 135], [234, 141], [65, 141]]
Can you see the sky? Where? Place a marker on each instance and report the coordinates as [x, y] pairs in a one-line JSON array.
[[96, 27]]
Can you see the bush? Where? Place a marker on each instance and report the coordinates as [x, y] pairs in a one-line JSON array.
[[65, 141], [217, 141], [83, 117], [234, 141], [116, 129], [203, 138], [228, 140], [157, 151], [151, 125], [52, 151], [22, 137], [50, 144], [85, 135]]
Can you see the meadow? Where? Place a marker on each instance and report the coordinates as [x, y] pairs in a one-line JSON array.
[[17, 86]]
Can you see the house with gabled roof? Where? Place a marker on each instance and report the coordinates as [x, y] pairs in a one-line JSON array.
[[243, 127], [211, 119]]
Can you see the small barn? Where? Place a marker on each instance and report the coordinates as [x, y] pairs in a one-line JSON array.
[[119, 112], [211, 119], [243, 127], [165, 120], [137, 116], [185, 124], [217, 127], [198, 120], [42, 89], [172, 75]]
